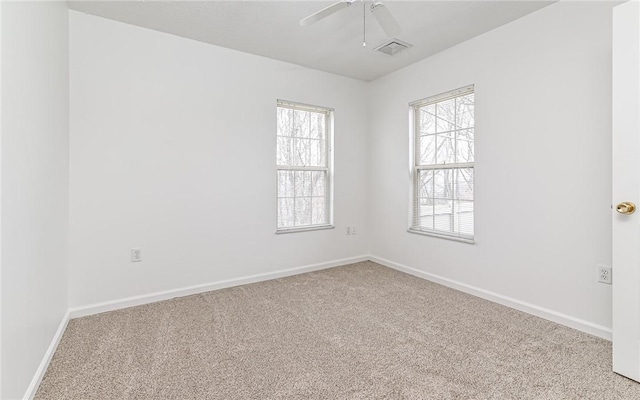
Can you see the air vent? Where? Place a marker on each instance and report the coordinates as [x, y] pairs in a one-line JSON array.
[[393, 46]]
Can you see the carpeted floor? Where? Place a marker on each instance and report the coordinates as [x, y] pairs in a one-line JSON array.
[[360, 331]]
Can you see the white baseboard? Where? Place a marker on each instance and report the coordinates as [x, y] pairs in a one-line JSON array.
[[76, 312], [97, 308], [44, 364], [551, 315]]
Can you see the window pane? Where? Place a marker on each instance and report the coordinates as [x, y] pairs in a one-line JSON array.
[[317, 126], [443, 213], [445, 150], [303, 183], [318, 211], [285, 183], [427, 154], [425, 183], [443, 184], [427, 119], [446, 116], [302, 121], [464, 111], [303, 211], [318, 179], [426, 221], [465, 134], [301, 152], [464, 217], [425, 210], [464, 184], [318, 154], [464, 150], [283, 150], [285, 122]]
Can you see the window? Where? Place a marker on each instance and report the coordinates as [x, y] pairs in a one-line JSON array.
[[303, 167], [443, 165]]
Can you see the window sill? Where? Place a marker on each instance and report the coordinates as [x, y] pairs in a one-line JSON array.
[[304, 229], [442, 236]]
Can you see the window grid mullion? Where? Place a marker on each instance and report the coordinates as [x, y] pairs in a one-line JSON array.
[[449, 131], [295, 179], [417, 155], [453, 203], [326, 135], [445, 166], [433, 199], [435, 142], [453, 171], [300, 168]]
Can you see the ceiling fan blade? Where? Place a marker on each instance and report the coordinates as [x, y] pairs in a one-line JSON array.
[[385, 19], [325, 12]]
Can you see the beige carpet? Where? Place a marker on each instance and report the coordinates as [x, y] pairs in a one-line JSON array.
[[360, 331]]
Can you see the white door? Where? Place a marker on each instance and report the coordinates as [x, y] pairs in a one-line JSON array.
[[626, 188]]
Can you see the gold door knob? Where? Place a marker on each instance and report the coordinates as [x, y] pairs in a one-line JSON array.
[[626, 207]]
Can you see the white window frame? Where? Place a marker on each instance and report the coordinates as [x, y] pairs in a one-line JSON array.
[[415, 168], [328, 169]]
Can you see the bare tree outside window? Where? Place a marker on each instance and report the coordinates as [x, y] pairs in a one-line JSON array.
[[443, 167], [303, 166]]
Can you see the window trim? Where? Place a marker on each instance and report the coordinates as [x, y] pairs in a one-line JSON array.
[[329, 169], [414, 168]]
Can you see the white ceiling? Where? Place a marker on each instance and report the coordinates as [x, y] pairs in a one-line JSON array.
[[334, 44]]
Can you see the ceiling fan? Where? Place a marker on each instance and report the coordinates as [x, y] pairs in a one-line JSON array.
[[379, 11]]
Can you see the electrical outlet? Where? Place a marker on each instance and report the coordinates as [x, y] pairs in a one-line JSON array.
[[348, 230], [604, 274], [136, 255], [353, 230]]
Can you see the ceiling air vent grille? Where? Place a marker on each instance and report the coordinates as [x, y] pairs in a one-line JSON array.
[[393, 46]]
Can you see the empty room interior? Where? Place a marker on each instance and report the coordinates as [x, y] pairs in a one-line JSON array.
[[319, 199]]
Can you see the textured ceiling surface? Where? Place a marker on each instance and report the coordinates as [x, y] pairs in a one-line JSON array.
[[334, 44]]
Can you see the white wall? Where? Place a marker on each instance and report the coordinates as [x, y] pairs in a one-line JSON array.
[[34, 163], [173, 151], [543, 161]]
